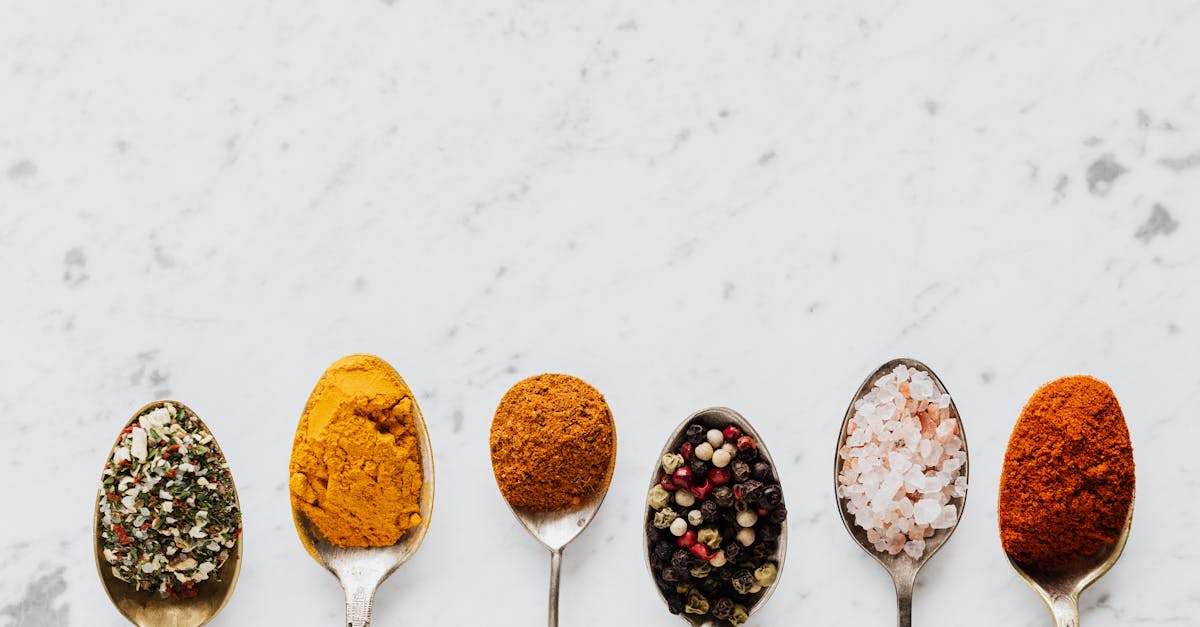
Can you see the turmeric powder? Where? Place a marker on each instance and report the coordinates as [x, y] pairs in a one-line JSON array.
[[356, 466]]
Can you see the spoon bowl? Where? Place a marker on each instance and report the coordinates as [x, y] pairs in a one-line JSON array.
[[1060, 588], [902, 568], [360, 570], [716, 418], [555, 530], [146, 608]]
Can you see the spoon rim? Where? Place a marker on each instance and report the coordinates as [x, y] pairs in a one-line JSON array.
[[671, 444], [226, 576], [901, 560]]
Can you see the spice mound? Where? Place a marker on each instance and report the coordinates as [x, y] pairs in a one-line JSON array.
[[713, 524], [169, 512], [553, 443], [1067, 485], [902, 462], [356, 466]]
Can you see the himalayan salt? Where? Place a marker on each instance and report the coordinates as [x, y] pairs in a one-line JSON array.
[[902, 462]]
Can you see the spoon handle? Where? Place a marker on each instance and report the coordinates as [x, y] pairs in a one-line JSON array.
[[904, 593], [1065, 608], [555, 577], [360, 598]]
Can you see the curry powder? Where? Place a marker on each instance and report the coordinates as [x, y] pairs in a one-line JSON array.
[[356, 466]]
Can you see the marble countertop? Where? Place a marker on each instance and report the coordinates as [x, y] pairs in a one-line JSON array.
[[685, 204]]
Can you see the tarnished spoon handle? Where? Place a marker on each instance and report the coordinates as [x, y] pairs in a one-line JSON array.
[[1066, 610], [555, 577], [360, 598], [904, 594]]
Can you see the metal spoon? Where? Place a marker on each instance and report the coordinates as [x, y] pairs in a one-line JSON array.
[[1060, 589], [360, 570], [556, 529], [901, 567], [716, 418], [146, 608]]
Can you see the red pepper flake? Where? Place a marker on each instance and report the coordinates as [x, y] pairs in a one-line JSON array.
[[112, 496], [170, 474], [121, 536]]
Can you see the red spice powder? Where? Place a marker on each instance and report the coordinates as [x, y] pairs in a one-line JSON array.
[[1068, 477]]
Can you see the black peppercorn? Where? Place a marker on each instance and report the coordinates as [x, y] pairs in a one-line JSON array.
[[766, 532], [723, 609], [733, 551], [709, 586], [762, 550], [663, 549], [723, 573], [770, 497], [741, 470], [761, 471], [656, 562], [681, 559], [779, 514], [696, 434], [699, 468], [709, 510], [674, 604], [748, 491], [723, 496], [742, 581]]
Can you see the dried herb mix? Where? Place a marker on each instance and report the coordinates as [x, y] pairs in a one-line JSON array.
[[169, 513], [714, 522], [553, 443]]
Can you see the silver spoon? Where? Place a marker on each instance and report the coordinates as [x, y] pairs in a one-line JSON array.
[[901, 567], [360, 570], [1060, 589], [716, 418], [146, 608], [556, 529]]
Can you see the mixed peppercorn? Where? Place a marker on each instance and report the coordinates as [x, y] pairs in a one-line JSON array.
[[713, 524], [169, 514]]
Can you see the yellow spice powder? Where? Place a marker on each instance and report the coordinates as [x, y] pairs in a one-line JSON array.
[[355, 466]]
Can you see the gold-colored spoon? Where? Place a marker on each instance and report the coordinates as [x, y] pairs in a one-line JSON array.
[[360, 570], [901, 566], [146, 608], [1060, 589], [716, 418]]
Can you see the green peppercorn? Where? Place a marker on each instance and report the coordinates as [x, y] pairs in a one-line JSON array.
[[740, 615], [765, 575], [696, 603], [710, 537], [658, 497], [664, 517], [671, 462], [701, 570]]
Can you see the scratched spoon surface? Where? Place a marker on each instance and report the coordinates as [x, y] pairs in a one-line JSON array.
[[146, 608], [360, 570], [901, 567], [716, 418], [1060, 589]]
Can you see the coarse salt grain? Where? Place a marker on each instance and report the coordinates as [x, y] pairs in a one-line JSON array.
[[902, 462]]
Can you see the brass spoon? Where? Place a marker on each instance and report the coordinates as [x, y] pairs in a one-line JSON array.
[[716, 418], [556, 529], [901, 567], [360, 570], [1060, 589], [146, 608]]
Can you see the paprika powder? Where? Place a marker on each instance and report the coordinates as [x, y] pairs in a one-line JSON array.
[[553, 443], [1068, 479]]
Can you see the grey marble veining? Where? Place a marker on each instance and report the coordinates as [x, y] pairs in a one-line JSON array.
[[684, 204]]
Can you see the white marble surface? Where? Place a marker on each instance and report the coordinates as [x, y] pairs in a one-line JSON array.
[[687, 204]]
